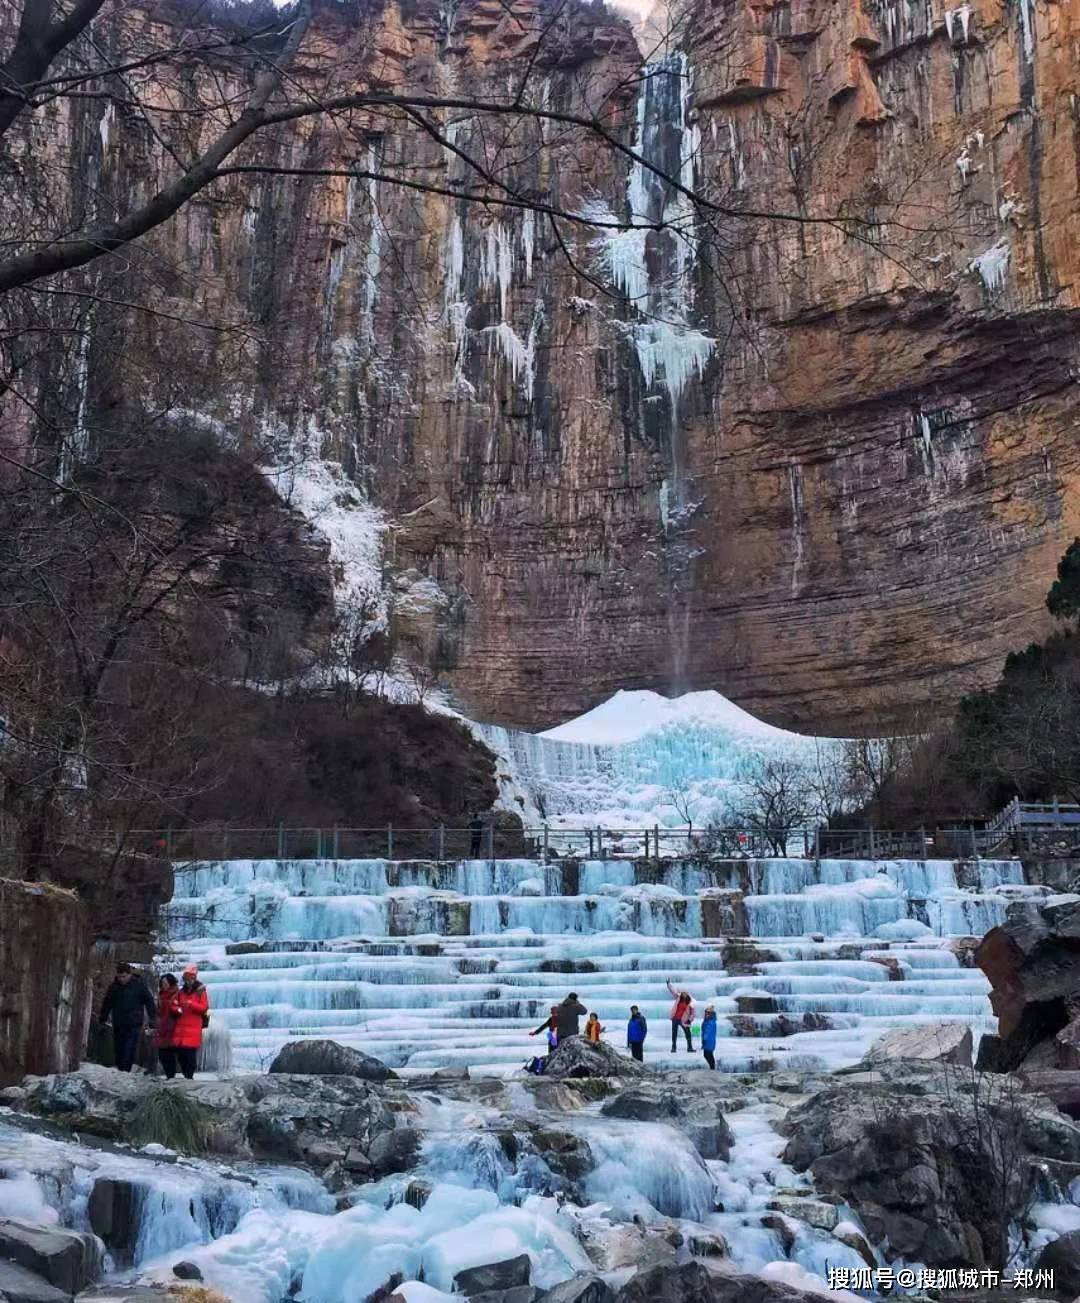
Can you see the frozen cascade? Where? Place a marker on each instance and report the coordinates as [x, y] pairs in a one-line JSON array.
[[651, 268], [429, 965], [616, 764]]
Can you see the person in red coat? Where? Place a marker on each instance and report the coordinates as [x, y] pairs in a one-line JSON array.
[[168, 1010], [194, 1006]]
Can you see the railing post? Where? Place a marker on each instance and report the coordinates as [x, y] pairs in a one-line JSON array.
[[805, 844], [974, 842], [281, 841], [817, 844], [600, 842], [545, 843], [224, 843], [873, 848], [656, 838], [491, 839], [389, 841], [442, 842], [922, 843], [1057, 813], [590, 832], [335, 841]]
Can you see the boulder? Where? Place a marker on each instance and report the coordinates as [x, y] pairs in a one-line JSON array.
[[938, 1042], [1062, 1257], [1068, 1046], [394, 1151], [693, 1282], [494, 1276], [917, 1156], [582, 1288], [186, 1271], [518, 1294], [18, 1285], [113, 1210], [1063, 1088], [577, 1057], [697, 1115], [329, 1059], [1033, 963], [69, 1260]]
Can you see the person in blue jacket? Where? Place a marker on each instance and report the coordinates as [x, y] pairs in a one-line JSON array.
[[636, 1031], [708, 1036]]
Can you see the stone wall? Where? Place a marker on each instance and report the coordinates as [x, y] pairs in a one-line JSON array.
[[45, 986]]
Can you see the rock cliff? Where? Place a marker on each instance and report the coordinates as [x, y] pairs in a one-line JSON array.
[[813, 447]]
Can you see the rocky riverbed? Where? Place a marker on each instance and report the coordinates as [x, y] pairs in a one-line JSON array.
[[329, 1188]]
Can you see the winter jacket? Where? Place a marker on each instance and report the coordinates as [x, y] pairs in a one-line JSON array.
[[189, 1026], [681, 1012], [569, 1013], [548, 1025], [593, 1030], [168, 1010], [126, 1002], [636, 1030], [708, 1033]]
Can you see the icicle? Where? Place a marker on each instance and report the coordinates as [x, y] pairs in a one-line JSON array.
[[992, 266]]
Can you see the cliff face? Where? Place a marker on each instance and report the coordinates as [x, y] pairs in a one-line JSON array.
[[45, 985], [824, 463]]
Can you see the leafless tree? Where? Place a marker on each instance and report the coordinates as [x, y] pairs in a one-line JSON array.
[[779, 800], [685, 804]]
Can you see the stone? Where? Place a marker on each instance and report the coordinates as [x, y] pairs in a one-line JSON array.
[[694, 1282], [357, 1162], [328, 1059], [1068, 1046], [582, 1288], [822, 1216], [914, 1154], [577, 1057], [494, 1276], [1063, 1088], [940, 1042], [113, 1210], [18, 1285], [394, 1151], [186, 1271], [516, 1294], [1062, 1257], [69, 1260], [1033, 963]]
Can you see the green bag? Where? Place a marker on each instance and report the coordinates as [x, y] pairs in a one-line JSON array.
[[695, 1030]]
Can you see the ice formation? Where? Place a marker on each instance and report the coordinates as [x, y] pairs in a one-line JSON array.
[[650, 261], [429, 965], [992, 266], [618, 764]]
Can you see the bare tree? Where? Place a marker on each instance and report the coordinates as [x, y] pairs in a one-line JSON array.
[[685, 804], [779, 800]]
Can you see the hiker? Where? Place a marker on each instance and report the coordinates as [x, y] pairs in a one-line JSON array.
[[168, 1011], [551, 1026], [194, 1006], [567, 1015], [476, 828], [682, 1015], [125, 1002], [708, 1036], [593, 1029], [636, 1031]]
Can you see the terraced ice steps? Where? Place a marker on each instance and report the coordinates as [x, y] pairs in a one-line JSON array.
[[430, 965]]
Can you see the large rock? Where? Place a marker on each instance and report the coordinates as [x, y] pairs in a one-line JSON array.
[[18, 1285], [1063, 1088], [1062, 1257], [113, 1210], [70, 1260], [494, 1276], [1033, 963], [577, 1057], [329, 1059], [692, 1282], [582, 1288], [697, 1114], [940, 1042], [936, 1163], [279, 1117]]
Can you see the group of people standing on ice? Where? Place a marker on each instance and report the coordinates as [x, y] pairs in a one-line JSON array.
[[177, 1020], [563, 1021]]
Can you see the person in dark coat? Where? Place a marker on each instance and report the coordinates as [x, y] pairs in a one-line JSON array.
[[570, 1011], [636, 1031], [476, 828], [128, 1003]]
